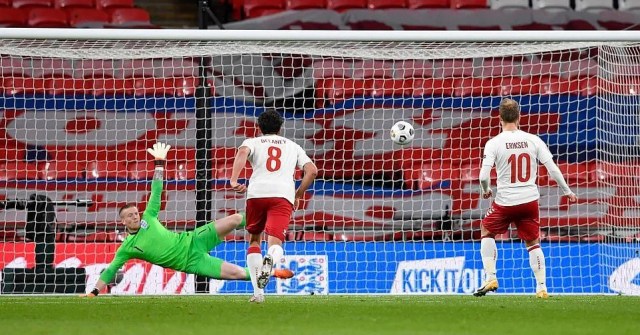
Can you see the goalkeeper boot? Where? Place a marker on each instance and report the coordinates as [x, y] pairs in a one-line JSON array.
[[257, 299], [282, 273], [265, 273], [489, 286], [542, 294]]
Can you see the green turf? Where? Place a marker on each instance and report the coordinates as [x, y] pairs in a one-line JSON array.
[[230, 315]]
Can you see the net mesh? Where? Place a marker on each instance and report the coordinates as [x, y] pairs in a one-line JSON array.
[[77, 116]]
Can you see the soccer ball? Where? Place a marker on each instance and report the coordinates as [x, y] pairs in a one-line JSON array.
[[402, 133]]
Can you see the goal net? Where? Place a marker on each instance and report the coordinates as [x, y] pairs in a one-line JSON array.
[[76, 117]]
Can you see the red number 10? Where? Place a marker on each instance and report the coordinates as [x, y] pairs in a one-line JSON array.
[[520, 167]]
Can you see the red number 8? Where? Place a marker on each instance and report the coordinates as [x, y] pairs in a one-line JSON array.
[[273, 162]]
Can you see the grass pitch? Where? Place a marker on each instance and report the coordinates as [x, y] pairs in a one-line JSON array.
[[230, 315]]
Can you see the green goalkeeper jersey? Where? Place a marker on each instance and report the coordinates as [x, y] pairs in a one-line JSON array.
[[152, 242]]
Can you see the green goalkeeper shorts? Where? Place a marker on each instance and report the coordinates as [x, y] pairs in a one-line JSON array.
[[200, 262]]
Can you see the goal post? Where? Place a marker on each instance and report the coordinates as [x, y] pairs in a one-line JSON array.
[[78, 108]]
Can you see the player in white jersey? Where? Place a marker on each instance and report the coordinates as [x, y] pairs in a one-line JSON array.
[[515, 154], [271, 195]]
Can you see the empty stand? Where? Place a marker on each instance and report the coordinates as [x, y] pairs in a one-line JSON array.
[[342, 5], [60, 170], [413, 69], [305, 4], [372, 69], [47, 18], [68, 4], [108, 170], [17, 170], [509, 4], [386, 4], [552, 5], [594, 5], [52, 67], [468, 4], [113, 4], [256, 8], [629, 5], [88, 18], [28, 4], [13, 17], [421, 4], [131, 17]]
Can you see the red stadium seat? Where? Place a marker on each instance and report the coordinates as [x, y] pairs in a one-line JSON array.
[[386, 4], [176, 67], [68, 4], [507, 86], [419, 4], [136, 17], [112, 4], [557, 85], [140, 170], [434, 87], [468, 4], [223, 171], [342, 5], [52, 67], [473, 87], [306, 4], [113, 86], [47, 18], [94, 68], [257, 8], [540, 68], [369, 25], [182, 170], [28, 4], [453, 68], [13, 18], [338, 89], [180, 86], [88, 18], [5, 3], [24, 85], [314, 236], [588, 85], [11, 153], [61, 170], [14, 66], [135, 68], [498, 67], [430, 175], [392, 87], [575, 174], [581, 68], [414, 69], [102, 169], [18, 171], [68, 86], [372, 69], [332, 68], [616, 173], [471, 173]]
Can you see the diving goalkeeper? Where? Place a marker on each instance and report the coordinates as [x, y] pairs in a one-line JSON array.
[[188, 251]]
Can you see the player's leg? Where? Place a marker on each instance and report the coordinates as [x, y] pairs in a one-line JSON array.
[[229, 223], [529, 231], [495, 222], [278, 217], [256, 218]]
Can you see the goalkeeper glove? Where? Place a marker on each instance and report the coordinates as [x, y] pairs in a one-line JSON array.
[[92, 294], [159, 151]]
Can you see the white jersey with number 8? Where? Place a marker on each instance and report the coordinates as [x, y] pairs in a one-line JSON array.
[[274, 160], [516, 154]]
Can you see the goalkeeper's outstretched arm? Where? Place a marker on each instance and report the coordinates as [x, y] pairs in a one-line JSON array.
[[159, 153]]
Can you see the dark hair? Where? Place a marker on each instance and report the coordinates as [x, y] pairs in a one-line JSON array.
[[270, 122], [127, 206], [509, 111]]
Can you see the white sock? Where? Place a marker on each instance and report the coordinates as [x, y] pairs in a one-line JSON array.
[[536, 260], [254, 263], [276, 253], [489, 253]]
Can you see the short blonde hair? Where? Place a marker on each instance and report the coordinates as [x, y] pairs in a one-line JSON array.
[[509, 110]]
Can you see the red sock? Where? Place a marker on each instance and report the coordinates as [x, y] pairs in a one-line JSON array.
[[254, 250]]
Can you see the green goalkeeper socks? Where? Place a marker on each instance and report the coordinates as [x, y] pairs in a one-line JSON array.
[[244, 220], [247, 273]]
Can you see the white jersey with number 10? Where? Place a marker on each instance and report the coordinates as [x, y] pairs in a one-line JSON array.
[[274, 160], [516, 154]]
